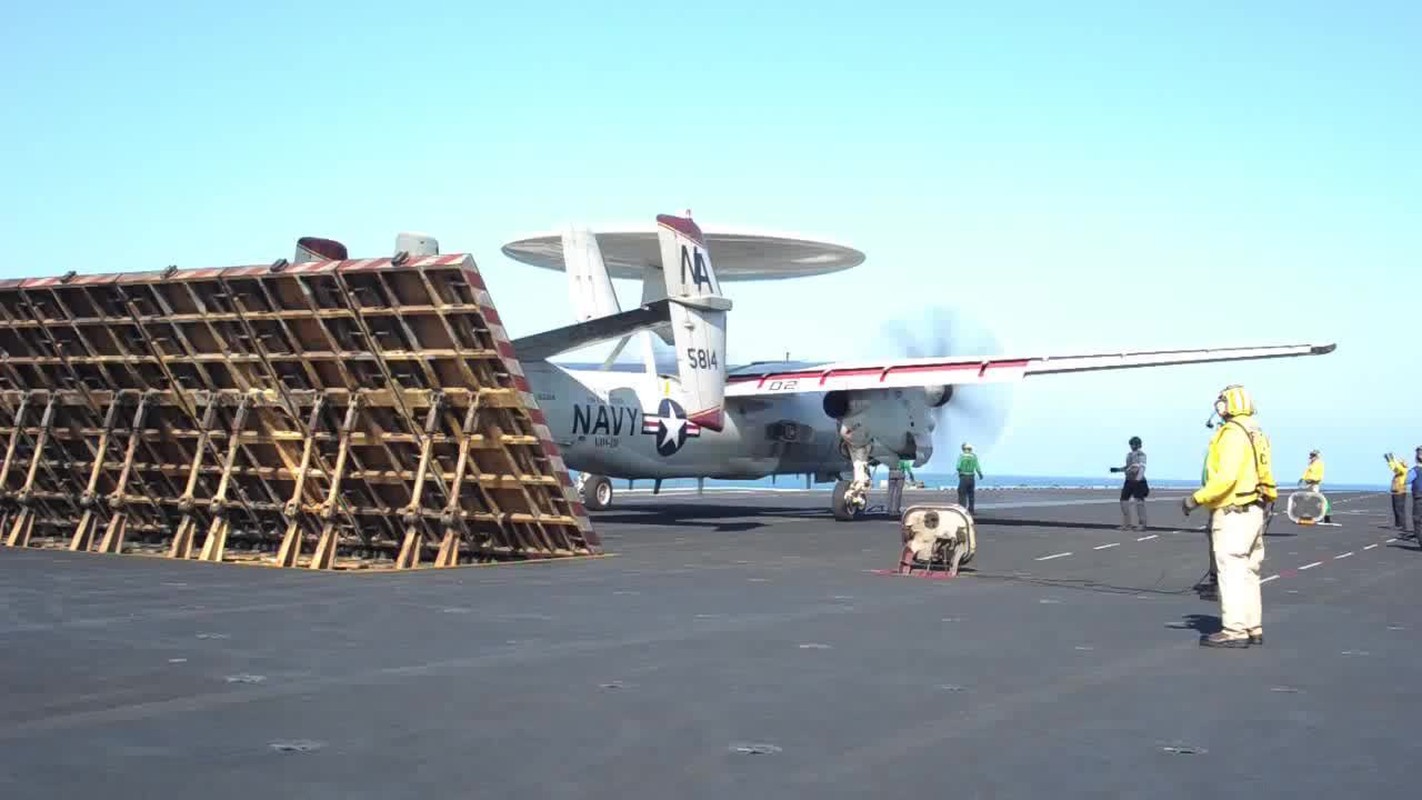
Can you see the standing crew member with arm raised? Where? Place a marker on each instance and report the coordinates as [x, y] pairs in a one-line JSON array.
[[1135, 490], [968, 471], [1399, 491], [1238, 484]]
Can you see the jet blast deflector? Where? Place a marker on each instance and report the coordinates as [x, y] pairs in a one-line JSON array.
[[323, 414]]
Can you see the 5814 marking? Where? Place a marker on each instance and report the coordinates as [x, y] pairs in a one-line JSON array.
[[701, 359]]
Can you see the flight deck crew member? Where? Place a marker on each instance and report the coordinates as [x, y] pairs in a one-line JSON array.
[[1414, 481], [968, 472], [1238, 483], [1135, 489], [896, 488], [1399, 490], [907, 466], [1313, 480]]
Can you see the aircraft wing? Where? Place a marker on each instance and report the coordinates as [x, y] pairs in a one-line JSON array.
[[953, 370]]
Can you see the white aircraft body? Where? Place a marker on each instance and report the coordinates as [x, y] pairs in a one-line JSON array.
[[832, 421]]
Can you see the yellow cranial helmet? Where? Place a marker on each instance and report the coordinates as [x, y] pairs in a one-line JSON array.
[[1234, 401]]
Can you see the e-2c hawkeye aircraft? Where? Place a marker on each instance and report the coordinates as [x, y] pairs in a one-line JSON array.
[[710, 420]]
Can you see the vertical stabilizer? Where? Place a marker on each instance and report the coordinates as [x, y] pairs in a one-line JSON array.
[[698, 318], [589, 287], [654, 288]]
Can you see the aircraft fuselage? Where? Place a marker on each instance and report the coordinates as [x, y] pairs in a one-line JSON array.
[[633, 425]]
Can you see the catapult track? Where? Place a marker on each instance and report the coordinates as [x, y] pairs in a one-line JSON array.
[[346, 414]]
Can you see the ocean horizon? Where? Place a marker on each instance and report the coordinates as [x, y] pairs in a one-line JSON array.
[[948, 481]]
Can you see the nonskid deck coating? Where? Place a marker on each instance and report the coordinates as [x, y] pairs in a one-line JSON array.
[[740, 649]]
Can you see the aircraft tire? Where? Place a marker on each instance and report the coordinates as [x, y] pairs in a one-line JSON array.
[[840, 506], [597, 493]]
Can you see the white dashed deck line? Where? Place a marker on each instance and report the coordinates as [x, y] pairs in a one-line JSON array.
[[1274, 577]]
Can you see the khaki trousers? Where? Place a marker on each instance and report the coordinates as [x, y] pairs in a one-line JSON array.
[[1239, 552]]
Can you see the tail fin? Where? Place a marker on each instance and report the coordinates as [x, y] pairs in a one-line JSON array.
[[698, 318], [589, 287]]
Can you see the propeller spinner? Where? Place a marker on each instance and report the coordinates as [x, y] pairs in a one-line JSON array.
[[965, 413]]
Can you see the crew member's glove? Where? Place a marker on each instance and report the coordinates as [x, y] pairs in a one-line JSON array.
[[1188, 504]]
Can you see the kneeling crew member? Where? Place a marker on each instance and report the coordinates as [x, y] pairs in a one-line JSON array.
[[1239, 482]]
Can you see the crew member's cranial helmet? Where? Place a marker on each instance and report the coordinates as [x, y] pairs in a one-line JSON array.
[[1234, 401]]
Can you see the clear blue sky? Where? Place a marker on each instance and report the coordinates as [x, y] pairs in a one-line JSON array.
[[1081, 176]]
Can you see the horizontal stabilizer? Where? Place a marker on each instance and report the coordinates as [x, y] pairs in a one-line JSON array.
[[957, 370], [541, 346]]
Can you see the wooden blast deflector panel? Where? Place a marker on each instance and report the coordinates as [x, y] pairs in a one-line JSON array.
[[331, 414]]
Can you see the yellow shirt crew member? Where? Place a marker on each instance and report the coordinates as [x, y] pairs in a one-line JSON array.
[[1399, 490], [1232, 471], [1239, 483], [1313, 473], [1313, 478]]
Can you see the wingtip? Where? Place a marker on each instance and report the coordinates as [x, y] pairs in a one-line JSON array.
[[1324, 349]]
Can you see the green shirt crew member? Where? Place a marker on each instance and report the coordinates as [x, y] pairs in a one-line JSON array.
[[968, 472]]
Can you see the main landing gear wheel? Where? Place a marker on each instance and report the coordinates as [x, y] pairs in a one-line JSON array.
[[844, 504], [596, 492]]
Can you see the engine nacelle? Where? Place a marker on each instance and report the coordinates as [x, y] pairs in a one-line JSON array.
[[894, 423], [938, 396]]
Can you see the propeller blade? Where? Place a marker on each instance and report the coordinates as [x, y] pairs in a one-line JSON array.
[[974, 413]]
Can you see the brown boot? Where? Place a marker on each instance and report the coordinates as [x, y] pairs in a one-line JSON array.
[[1223, 639]]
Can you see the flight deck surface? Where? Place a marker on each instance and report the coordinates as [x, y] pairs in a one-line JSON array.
[[739, 644]]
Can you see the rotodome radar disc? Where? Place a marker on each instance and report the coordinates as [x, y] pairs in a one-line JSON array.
[[737, 254]]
